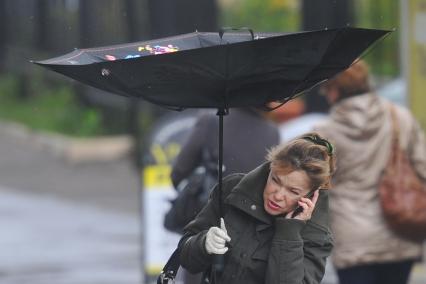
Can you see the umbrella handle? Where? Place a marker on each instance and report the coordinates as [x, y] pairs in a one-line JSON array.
[[223, 30]]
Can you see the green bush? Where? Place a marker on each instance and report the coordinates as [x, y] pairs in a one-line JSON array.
[[381, 14], [53, 109], [261, 15]]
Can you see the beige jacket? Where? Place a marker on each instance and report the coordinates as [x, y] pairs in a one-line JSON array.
[[360, 128]]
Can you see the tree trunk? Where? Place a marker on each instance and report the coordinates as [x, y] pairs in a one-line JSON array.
[[41, 22], [168, 18], [3, 33]]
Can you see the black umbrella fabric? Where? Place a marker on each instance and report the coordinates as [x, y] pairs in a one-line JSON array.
[[206, 70]]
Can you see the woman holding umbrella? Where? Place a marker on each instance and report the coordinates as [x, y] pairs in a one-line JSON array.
[[275, 219]]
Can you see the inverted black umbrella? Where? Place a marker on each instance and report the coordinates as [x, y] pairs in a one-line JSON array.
[[210, 70]]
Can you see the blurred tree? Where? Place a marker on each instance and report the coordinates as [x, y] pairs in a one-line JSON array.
[[381, 14], [194, 15], [168, 17], [4, 34], [41, 25], [261, 15], [326, 14], [319, 15], [162, 17]]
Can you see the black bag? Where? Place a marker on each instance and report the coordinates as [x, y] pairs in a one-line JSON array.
[[193, 194], [190, 200], [169, 272]]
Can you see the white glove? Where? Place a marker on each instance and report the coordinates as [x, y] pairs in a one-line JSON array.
[[216, 239]]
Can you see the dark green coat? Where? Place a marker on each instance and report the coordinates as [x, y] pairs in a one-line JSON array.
[[263, 249]]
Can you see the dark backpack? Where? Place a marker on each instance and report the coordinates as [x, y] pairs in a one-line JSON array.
[[191, 198], [193, 194]]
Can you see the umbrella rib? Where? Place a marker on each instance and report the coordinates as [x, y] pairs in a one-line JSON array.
[[136, 44], [370, 48], [90, 50]]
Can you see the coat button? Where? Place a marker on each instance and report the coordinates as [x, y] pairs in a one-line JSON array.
[[253, 207]]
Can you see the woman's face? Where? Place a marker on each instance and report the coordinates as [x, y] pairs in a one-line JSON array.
[[282, 191]]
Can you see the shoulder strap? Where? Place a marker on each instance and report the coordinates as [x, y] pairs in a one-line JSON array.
[[395, 124], [395, 132], [170, 269]]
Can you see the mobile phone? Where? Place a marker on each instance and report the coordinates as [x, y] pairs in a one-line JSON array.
[[299, 209]]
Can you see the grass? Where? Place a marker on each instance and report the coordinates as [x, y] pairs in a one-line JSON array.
[[53, 109]]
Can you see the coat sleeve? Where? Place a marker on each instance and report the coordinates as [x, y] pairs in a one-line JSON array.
[[193, 254], [299, 251]]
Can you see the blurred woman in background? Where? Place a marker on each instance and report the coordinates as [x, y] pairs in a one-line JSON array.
[[360, 126]]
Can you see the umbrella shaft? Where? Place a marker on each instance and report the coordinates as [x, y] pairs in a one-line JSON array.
[[220, 113]]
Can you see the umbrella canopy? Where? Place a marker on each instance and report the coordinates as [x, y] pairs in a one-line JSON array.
[[206, 70]]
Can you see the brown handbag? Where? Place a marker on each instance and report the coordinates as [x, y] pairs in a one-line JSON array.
[[402, 192]]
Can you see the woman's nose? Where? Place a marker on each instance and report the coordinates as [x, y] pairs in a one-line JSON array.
[[279, 195]]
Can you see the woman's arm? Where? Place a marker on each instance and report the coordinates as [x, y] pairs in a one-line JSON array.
[[299, 250], [194, 256]]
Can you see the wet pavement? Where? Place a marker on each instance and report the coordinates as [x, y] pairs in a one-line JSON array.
[[48, 240], [68, 223]]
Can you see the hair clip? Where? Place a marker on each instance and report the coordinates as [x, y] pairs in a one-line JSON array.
[[320, 141]]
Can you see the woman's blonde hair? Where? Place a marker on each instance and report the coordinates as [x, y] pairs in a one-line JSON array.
[[310, 153]]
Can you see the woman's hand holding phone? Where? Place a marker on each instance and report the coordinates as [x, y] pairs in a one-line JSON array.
[[305, 207]]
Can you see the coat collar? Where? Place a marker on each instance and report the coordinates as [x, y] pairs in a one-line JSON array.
[[247, 195]]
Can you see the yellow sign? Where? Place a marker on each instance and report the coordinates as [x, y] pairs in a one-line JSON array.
[[417, 59], [156, 177]]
